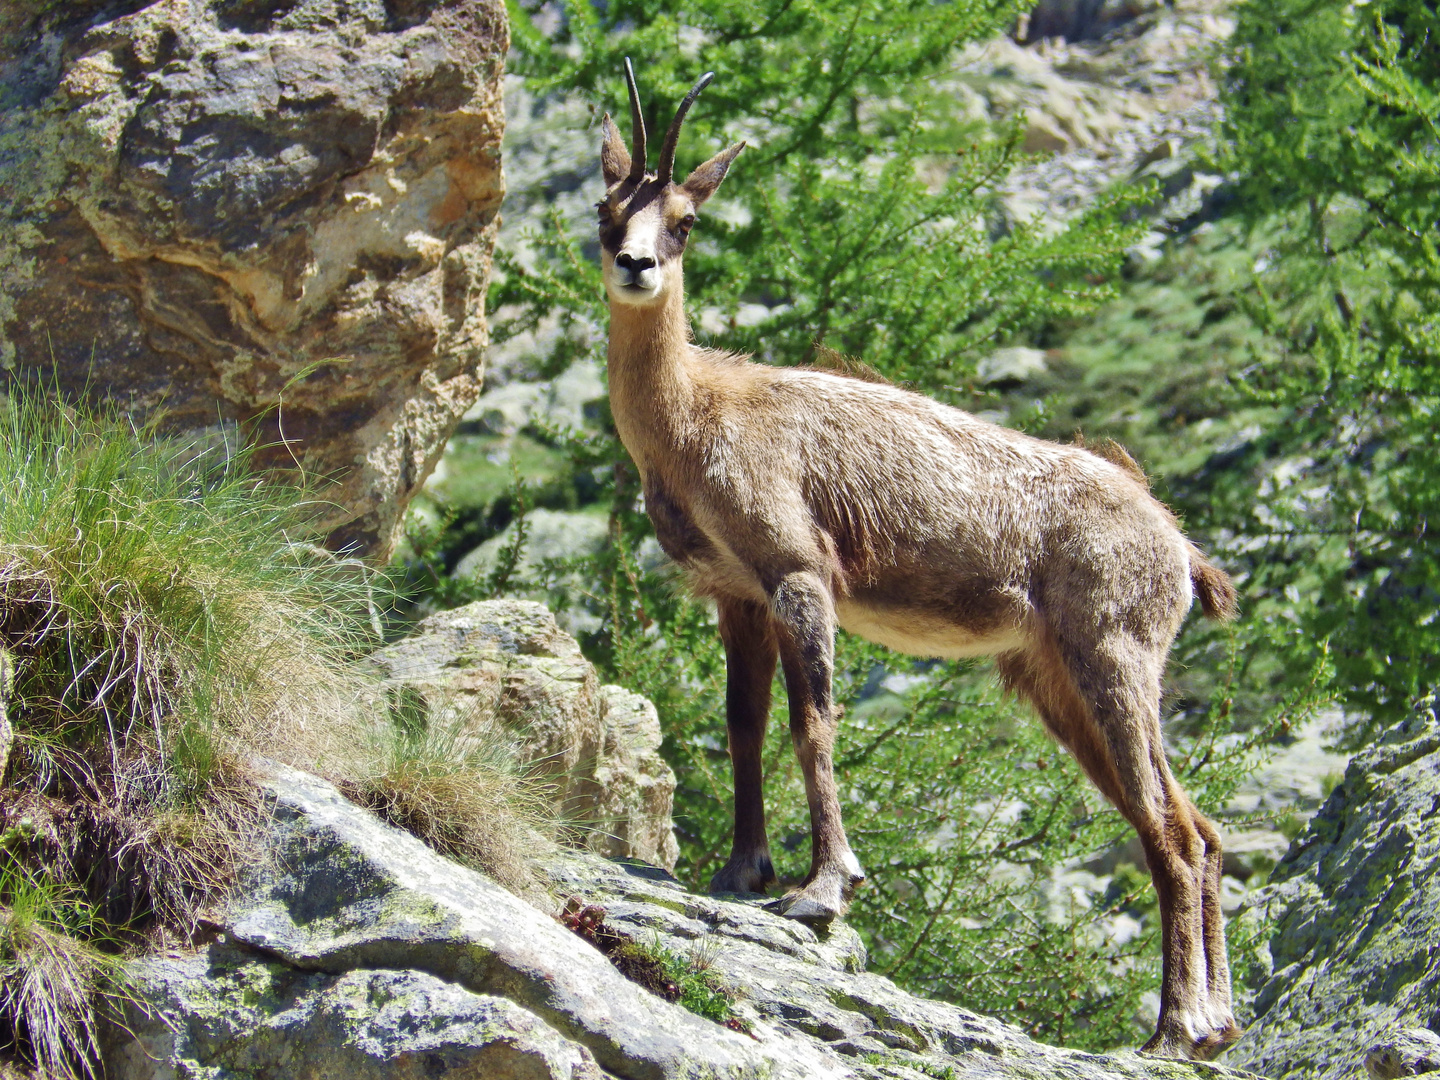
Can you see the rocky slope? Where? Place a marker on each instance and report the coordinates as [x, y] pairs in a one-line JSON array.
[[1132, 103], [1346, 968], [272, 215], [357, 951]]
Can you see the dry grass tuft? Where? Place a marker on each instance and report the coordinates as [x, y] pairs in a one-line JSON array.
[[451, 778], [50, 977]]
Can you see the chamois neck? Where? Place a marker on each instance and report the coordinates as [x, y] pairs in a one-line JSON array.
[[651, 390]]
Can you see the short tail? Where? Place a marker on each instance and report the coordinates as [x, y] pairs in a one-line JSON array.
[[1213, 586]]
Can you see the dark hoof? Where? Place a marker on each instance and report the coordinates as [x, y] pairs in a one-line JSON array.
[[1207, 1046], [1167, 1048], [746, 878], [1200, 1048]]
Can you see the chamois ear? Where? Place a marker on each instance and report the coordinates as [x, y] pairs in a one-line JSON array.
[[614, 158], [701, 183]]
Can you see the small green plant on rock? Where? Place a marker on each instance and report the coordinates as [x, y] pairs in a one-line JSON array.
[[687, 981], [925, 1068]]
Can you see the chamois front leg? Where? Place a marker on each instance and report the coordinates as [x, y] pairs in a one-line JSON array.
[[750, 654], [805, 621]]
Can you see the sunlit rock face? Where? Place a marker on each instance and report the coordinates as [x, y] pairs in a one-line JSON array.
[[595, 748], [271, 215]]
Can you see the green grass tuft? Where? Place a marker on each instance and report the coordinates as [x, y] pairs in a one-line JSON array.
[[157, 595], [166, 616]]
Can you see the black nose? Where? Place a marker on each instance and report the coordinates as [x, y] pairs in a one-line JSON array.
[[634, 265]]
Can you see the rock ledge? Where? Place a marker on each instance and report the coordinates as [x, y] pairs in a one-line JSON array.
[[359, 950]]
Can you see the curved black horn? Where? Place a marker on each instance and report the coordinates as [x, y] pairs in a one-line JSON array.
[[666, 166], [637, 126]]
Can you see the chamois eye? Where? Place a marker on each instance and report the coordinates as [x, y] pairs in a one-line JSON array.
[[686, 224], [603, 209]]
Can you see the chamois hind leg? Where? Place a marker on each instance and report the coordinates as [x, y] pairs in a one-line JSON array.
[[1101, 699], [805, 623], [750, 654], [1217, 963]]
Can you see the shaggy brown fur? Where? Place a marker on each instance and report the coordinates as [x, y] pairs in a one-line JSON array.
[[802, 499]]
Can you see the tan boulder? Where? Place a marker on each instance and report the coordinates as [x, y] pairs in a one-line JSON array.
[[507, 662], [270, 216]]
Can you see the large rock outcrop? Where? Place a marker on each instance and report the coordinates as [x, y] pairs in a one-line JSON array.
[[277, 214], [360, 952], [507, 662], [1350, 963]]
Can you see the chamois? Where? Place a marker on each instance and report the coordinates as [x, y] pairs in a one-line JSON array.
[[799, 500]]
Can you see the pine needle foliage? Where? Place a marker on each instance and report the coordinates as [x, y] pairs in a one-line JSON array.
[[1331, 124], [863, 214]]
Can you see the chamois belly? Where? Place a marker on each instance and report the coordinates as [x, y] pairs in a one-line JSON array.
[[923, 634]]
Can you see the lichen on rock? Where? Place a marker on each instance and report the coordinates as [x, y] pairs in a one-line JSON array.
[[1353, 918], [357, 951]]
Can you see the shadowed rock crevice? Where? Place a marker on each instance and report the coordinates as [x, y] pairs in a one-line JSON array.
[[1082, 20]]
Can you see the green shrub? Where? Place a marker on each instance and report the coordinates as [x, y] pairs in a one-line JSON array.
[[863, 215], [1331, 126]]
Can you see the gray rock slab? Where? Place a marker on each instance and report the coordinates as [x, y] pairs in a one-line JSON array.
[[1353, 911], [808, 993], [348, 893], [551, 534], [1409, 1053], [552, 537], [1017, 363], [1298, 776], [235, 1015]]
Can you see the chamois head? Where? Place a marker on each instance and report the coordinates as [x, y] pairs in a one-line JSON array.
[[645, 218]]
